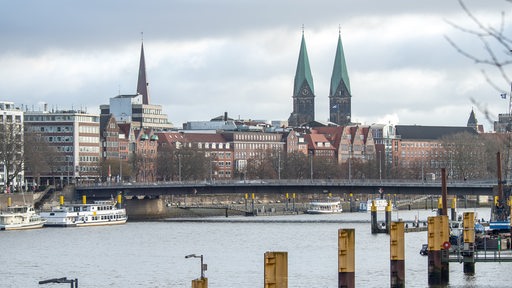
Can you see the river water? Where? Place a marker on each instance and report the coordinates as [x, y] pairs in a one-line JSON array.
[[151, 254]]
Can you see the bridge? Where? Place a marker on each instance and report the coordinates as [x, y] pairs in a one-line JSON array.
[[336, 187]]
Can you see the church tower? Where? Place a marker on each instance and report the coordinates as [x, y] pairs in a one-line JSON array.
[[339, 93], [303, 90], [142, 83], [472, 122]]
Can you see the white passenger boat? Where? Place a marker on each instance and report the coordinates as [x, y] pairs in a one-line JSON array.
[[97, 214], [379, 203], [325, 206], [20, 217]]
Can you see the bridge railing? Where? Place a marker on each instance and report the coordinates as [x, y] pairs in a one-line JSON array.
[[309, 182]]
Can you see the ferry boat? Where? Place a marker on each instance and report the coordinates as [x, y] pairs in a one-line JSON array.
[[380, 203], [20, 217], [326, 206], [77, 215]]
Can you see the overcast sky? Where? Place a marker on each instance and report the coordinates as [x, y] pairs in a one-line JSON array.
[[208, 57]]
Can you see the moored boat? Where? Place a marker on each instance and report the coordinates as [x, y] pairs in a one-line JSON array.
[[380, 203], [324, 206], [20, 217], [98, 213]]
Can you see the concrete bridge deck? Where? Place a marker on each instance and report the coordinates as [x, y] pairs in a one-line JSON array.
[[399, 187]]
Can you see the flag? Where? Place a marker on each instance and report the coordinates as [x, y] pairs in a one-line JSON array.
[[503, 95], [335, 106]]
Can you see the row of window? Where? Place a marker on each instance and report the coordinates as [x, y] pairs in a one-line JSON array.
[[89, 158], [59, 139], [89, 129], [257, 137], [89, 149], [53, 129], [257, 146], [213, 145], [89, 139]]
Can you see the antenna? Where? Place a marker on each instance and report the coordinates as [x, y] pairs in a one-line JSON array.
[[339, 29], [302, 29]]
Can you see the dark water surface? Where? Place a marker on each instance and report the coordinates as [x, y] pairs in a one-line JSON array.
[[151, 254]]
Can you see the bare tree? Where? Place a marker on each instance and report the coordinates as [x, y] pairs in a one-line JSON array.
[[35, 150], [497, 48], [11, 151]]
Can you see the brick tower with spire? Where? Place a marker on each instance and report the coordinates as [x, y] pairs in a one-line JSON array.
[[303, 90], [339, 93]]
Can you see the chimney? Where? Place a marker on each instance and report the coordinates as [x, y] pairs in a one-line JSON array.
[[225, 116]]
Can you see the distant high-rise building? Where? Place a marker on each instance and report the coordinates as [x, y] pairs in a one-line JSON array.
[[303, 90], [135, 108], [339, 93]]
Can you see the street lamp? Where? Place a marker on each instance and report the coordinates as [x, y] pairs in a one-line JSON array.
[[311, 164], [73, 282], [380, 165], [203, 266]]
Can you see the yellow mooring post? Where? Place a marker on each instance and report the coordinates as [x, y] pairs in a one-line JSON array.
[[397, 254], [84, 199], [389, 208], [468, 223], [346, 258], [61, 200], [119, 200], [375, 225], [438, 237], [9, 201], [453, 210], [276, 270], [200, 283], [439, 206]]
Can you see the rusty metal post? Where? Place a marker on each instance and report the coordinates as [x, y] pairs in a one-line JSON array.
[[346, 258], [438, 235], [276, 270], [397, 255], [444, 192]]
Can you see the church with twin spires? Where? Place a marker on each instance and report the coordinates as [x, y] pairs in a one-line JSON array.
[[304, 90]]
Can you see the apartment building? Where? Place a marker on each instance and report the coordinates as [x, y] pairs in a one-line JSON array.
[[74, 137]]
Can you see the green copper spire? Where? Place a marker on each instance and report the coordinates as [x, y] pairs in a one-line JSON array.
[[303, 73], [339, 71]]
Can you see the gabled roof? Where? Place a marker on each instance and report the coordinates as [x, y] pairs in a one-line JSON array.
[[339, 71], [303, 72], [429, 132], [333, 134], [314, 138]]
